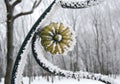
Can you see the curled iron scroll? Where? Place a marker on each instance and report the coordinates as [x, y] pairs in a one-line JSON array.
[[32, 36]]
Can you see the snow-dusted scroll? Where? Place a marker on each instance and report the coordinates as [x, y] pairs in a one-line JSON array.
[[76, 4], [42, 61], [22, 54], [31, 36]]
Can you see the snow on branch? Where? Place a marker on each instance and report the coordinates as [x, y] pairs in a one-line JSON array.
[[35, 5], [79, 4]]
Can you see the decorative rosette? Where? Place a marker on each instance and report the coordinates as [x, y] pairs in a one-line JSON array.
[[57, 39]]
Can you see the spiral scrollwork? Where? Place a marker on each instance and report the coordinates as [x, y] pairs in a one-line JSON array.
[[58, 34]]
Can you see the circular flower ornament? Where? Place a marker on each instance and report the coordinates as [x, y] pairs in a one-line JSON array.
[[57, 39]]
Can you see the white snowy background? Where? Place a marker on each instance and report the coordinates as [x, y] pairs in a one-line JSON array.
[[97, 33]]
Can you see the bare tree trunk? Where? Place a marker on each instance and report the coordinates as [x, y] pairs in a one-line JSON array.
[[64, 64], [10, 47], [10, 21], [71, 62]]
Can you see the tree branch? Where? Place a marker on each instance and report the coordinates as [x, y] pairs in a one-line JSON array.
[[7, 3], [16, 2], [22, 14], [35, 5]]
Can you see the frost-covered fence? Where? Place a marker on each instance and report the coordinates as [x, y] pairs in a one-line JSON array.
[[21, 58]]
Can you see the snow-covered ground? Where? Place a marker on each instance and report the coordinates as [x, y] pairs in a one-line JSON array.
[[40, 80], [66, 81]]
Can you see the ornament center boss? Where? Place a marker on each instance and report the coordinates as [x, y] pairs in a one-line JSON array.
[[57, 38]]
